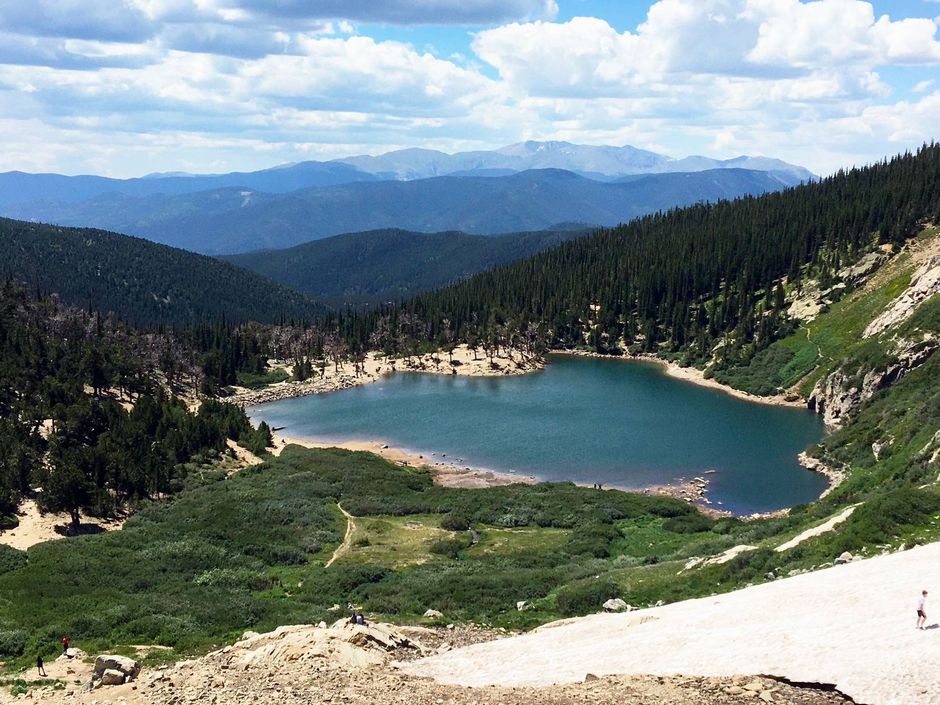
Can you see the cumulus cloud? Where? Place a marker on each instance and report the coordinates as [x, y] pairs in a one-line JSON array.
[[177, 83], [761, 39], [116, 20], [400, 11]]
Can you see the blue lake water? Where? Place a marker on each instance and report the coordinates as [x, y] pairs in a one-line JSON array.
[[623, 423]]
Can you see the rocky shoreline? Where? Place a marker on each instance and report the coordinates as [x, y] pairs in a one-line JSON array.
[[332, 379], [834, 476]]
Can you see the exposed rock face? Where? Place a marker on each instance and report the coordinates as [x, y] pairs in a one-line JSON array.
[[834, 475], [840, 394], [127, 667], [812, 300], [112, 677], [931, 451], [864, 268], [925, 283], [844, 558], [616, 605]]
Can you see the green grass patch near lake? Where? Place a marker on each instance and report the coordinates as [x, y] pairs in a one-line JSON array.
[[253, 380]]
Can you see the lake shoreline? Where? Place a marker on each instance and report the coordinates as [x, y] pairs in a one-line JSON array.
[[445, 474], [462, 363], [690, 374], [466, 365], [453, 472], [448, 474]]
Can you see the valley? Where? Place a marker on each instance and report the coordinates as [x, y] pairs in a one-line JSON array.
[[230, 527]]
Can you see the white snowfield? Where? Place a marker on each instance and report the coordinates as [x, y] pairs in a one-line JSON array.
[[852, 626]]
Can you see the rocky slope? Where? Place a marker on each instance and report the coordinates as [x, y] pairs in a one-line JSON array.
[[893, 344], [309, 665]]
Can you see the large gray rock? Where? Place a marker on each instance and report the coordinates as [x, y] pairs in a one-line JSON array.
[[112, 677], [72, 653], [616, 605], [126, 666], [433, 614], [846, 557], [925, 283], [838, 396]]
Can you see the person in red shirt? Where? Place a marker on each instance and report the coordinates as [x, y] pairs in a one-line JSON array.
[[65, 644]]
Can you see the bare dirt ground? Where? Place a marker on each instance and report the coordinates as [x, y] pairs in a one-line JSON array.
[[35, 527]]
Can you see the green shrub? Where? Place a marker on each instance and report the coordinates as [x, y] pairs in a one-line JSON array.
[[592, 539], [447, 547], [455, 522], [12, 642], [882, 518], [11, 558], [688, 524], [586, 596]]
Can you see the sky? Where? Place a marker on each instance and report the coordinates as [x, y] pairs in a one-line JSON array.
[[129, 87]]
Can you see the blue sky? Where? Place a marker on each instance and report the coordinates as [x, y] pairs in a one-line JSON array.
[[127, 87]]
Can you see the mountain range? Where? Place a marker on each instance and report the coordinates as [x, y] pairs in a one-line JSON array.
[[598, 162], [241, 219], [601, 162]]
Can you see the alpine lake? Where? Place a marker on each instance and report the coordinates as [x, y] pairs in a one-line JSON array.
[[625, 424]]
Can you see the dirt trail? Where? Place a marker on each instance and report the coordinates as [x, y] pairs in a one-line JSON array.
[[346, 545], [823, 528]]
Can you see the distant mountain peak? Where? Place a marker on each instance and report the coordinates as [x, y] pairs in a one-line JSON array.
[[604, 162]]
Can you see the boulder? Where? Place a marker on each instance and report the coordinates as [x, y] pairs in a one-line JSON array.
[[846, 557], [72, 653], [523, 605], [112, 677], [616, 605], [433, 614], [124, 665]]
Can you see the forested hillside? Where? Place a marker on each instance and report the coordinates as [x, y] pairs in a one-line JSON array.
[[87, 412], [139, 280], [392, 265], [683, 282]]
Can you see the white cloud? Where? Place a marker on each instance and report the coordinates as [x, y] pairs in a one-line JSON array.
[[119, 20], [286, 80], [760, 39], [399, 11]]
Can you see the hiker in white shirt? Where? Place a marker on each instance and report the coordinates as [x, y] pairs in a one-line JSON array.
[[921, 610]]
